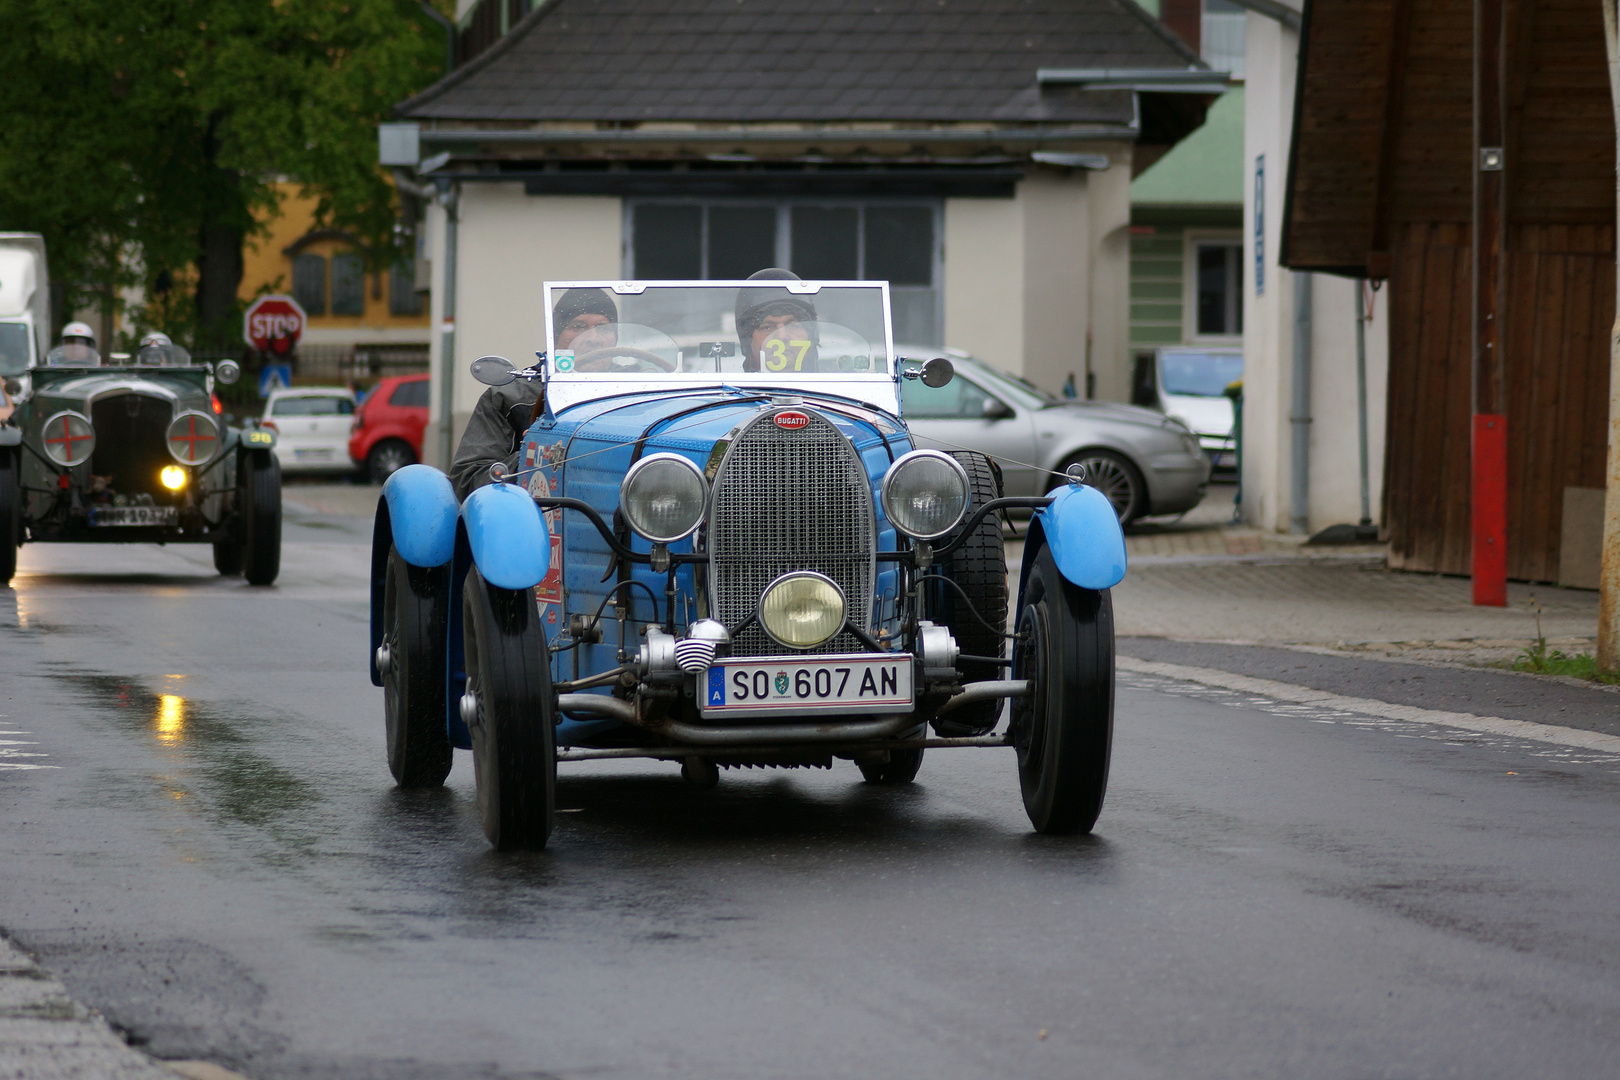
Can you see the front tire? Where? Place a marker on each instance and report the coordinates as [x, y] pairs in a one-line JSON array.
[[415, 613], [1064, 729], [259, 502], [10, 515], [509, 711]]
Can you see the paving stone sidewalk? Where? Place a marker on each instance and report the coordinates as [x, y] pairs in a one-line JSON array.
[[1199, 578]]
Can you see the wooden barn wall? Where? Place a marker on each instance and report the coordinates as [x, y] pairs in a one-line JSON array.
[[1558, 310], [1559, 289]]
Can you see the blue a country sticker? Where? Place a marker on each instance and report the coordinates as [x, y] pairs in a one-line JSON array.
[[717, 686]]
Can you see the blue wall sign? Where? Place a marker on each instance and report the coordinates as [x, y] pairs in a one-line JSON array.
[[1260, 225]]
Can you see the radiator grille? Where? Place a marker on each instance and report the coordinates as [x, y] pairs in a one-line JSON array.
[[790, 499]]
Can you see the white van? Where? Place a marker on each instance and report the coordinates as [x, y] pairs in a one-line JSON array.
[[1188, 383]]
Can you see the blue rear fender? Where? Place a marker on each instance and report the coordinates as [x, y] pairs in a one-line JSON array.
[[416, 516], [1082, 530], [507, 534]]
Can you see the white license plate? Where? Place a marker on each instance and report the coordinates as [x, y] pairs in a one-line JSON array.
[[134, 515], [317, 454], [829, 685]]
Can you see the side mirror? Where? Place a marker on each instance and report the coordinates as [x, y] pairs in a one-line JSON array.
[[493, 370], [227, 371], [996, 409], [937, 372]]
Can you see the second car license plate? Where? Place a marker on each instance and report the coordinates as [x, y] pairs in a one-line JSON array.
[[826, 685], [319, 453], [134, 515]]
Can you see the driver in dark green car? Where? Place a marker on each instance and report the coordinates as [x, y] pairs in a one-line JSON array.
[[584, 320]]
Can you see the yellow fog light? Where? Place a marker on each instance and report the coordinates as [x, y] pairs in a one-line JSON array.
[[802, 610], [173, 477]]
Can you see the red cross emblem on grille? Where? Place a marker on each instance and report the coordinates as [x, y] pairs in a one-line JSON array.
[[67, 438], [190, 437]]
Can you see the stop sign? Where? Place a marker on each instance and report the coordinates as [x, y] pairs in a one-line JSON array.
[[274, 324]]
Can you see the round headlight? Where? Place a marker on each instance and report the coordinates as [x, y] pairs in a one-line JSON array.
[[925, 494], [801, 610], [193, 438], [69, 438], [663, 497]]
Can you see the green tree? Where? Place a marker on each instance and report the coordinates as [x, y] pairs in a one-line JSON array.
[[141, 139]]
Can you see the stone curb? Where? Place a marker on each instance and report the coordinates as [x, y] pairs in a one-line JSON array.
[[1496, 725], [46, 1035]]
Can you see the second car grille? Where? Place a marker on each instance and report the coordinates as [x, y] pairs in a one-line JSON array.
[[790, 499]]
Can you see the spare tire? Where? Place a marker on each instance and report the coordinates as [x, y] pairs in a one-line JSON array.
[[979, 569]]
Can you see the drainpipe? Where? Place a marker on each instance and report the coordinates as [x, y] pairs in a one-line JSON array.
[[1299, 501], [449, 198], [449, 35]]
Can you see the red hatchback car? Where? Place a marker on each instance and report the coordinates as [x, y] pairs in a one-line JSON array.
[[387, 432]]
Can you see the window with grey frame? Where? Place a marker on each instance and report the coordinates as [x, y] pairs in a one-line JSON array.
[[403, 299], [897, 241], [348, 285], [309, 283], [1220, 289]]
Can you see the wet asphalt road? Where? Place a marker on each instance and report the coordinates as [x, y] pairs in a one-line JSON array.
[[215, 858]]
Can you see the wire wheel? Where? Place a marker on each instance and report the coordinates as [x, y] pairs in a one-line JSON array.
[[387, 458], [1118, 480]]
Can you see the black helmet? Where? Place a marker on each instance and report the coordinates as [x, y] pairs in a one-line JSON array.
[[576, 302], [755, 305]]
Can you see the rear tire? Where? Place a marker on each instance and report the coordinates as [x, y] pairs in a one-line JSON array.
[[388, 457], [259, 504], [10, 515], [979, 566], [415, 614], [510, 714], [1064, 729], [901, 768]]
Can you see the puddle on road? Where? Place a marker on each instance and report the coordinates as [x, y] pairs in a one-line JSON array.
[[219, 772]]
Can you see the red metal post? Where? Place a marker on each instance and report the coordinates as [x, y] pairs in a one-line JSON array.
[[1489, 436]]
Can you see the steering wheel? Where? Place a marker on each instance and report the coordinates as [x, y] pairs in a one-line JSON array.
[[624, 350]]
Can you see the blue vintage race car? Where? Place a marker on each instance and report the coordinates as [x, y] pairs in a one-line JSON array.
[[721, 548]]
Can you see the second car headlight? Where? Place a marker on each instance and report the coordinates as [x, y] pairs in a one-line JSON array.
[[803, 609], [664, 497], [925, 494]]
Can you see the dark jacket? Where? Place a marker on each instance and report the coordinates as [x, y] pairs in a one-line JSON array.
[[493, 434]]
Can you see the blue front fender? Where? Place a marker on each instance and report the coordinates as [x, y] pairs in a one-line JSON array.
[[421, 514], [508, 537], [416, 516], [1082, 530]]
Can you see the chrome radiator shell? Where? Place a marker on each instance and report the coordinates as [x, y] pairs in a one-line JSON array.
[[788, 499]]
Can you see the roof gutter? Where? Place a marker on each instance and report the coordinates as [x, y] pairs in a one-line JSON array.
[[1142, 80], [1272, 9], [454, 137]]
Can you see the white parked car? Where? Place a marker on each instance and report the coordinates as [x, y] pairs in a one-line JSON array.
[[1188, 383], [312, 424]]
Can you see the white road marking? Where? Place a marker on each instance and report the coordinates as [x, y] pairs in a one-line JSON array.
[[1320, 706], [8, 757]]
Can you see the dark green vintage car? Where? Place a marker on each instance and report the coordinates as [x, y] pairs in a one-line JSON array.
[[137, 453]]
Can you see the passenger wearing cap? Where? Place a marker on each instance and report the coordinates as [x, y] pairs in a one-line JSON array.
[[78, 348], [768, 321], [583, 320]]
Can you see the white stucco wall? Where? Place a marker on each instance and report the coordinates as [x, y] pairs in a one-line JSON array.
[[1268, 330], [510, 243], [1028, 279]]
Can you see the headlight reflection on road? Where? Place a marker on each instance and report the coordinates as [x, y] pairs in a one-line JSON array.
[[170, 721]]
